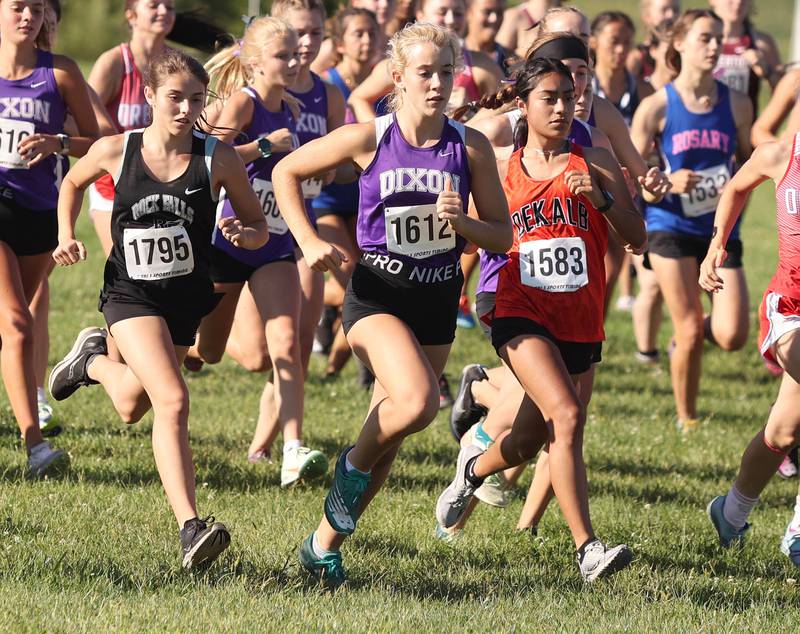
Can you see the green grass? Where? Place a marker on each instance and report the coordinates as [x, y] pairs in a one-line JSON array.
[[97, 550]]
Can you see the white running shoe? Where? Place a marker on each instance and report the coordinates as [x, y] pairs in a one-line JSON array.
[[790, 544], [601, 561], [625, 303], [453, 501], [302, 463], [495, 491], [44, 458]]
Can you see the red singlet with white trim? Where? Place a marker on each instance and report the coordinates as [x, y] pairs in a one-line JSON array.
[[786, 280], [555, 275], [129, 110]]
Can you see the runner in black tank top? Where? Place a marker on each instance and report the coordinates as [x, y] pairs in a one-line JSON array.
[[157, 283]]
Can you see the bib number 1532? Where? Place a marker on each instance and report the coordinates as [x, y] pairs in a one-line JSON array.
[[556, 266]]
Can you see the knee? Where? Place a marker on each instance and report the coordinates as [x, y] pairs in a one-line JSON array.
[[690, 333], [256, 361], [731, 339], [783, 437], [420, 407], [173, 406], [132, 414], [16, 328], [526, 443], [283, 344], [568, 421]]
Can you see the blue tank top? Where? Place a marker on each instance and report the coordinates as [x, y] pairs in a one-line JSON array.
[[397, 198], [29, 106], [337, 196], [706, 144], [490, 263], [280, 242]]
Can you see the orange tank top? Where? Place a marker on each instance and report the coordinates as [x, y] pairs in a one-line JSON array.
[[555, 275]]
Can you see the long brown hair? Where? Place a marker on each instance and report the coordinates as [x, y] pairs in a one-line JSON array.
[[679, 30]]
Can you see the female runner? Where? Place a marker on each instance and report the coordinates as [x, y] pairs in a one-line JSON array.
[[157, 285], [778, 336], [117, 79], [479, 76], [748, 56], [37, 89], [653, 13], [702, 126], [561, 200], [419, 168], [252, 78], [355, 34]]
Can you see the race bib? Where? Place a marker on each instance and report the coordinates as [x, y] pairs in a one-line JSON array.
[[158, 253], [736, 76], [704, 197], [557, 265], [311, 187], [11, 133], [266, 194], [417, 232]]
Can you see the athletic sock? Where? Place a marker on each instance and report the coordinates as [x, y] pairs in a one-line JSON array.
[[348, 466], [469, 474], [41, 396], [319, 551], [795, 523], [290, 445], [481, 435], [737, 507]]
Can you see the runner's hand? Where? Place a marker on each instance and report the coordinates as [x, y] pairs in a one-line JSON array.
[[69, 252], [37, 147], [709, 278], [579, 182], [232, 230], [322, 256], [656, 182], [683, 181], [281, 140], [450, 207]]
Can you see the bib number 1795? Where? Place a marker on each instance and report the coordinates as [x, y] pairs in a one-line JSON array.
[[158, 253]]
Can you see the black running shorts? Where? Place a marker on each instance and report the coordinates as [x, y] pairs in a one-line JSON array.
[[578, 357], [676, 245], [429, 310], [28, 232]]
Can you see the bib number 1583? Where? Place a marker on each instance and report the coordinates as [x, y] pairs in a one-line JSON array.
[[556, 266]]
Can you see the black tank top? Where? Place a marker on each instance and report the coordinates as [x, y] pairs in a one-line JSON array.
[[162, 231]]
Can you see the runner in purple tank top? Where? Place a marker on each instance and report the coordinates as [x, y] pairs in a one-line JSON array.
[[269, 51], [36, 90], [419, 169]]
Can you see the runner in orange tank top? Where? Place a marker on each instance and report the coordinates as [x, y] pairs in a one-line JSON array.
[[548, 321], [779, 339]]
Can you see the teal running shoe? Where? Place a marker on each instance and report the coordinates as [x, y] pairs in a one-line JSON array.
[[343, 502], [327, 569], [728, 535], [448, 536]]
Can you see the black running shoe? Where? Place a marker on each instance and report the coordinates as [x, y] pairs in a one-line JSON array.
[[466, 412], [70, 373], [202, 543], [445, 395]]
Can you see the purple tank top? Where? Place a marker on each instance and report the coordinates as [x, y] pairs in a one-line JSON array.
[[491, 263], [29, 106], [280, 242], [397, 197], [313, 124]]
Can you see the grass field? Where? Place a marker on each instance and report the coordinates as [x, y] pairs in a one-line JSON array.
[[97, 549]]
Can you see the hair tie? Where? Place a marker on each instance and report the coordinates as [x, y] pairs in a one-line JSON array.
[[238, 45], [248, 20]]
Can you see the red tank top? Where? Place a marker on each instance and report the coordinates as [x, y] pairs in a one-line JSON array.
[[555, 275], [464, 87], [128, 110], [786, 280]]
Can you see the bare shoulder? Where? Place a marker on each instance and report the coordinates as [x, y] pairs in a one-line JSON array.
[[495, 128], [599, 157], [66, 65], [655, 104], [110, 61]]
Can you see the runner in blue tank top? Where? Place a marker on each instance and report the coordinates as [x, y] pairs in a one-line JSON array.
[[419, 168], [701, 126], [355, 34], [36, 90], [268, 132]]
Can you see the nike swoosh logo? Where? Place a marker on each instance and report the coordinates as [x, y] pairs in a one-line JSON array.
[[189, 192], [443, 154], [38, 83], [317, 99]]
